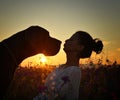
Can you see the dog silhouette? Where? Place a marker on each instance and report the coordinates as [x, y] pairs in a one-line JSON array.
[[21, 45]]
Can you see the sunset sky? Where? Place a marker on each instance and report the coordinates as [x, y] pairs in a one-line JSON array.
[[62, 18]]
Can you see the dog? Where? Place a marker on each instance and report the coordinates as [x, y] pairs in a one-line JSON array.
[[21, 45]]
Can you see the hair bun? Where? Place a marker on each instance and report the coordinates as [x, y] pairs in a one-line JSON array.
[[97, 45]]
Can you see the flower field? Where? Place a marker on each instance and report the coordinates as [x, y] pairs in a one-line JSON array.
[[102, 83]]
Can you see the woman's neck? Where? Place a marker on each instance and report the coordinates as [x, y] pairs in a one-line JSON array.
[[72, 59]]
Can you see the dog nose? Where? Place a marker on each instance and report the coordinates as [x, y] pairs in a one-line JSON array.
[[58, 40], [66, 40]]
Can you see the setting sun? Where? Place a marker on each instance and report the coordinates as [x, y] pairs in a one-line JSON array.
[[43, 59]]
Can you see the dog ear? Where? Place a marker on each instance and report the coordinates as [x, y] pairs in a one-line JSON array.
[[36, 37], [40, 40]]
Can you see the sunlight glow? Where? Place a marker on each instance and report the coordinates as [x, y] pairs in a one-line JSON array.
[[43, 59]]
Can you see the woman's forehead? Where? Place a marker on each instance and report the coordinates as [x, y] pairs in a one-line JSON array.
[[75, 36]]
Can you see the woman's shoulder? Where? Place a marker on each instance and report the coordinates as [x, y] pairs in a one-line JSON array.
[[68, 70], [74, 68]]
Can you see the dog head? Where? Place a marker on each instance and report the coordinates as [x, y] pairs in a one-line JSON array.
[[41, 42]]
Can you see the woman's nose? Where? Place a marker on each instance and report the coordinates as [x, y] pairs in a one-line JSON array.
[[66, 40]]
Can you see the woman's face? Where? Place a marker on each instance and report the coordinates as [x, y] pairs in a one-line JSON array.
[[72, 44]]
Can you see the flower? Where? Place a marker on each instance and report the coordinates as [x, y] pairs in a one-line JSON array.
[[44, 93], [65, 79]]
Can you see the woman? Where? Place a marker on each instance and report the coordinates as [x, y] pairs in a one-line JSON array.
[[63, 83]]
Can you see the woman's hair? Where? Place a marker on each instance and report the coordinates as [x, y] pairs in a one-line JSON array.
[[89, 44]]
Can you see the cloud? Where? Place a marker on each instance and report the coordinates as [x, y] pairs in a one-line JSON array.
[[106, 42]]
